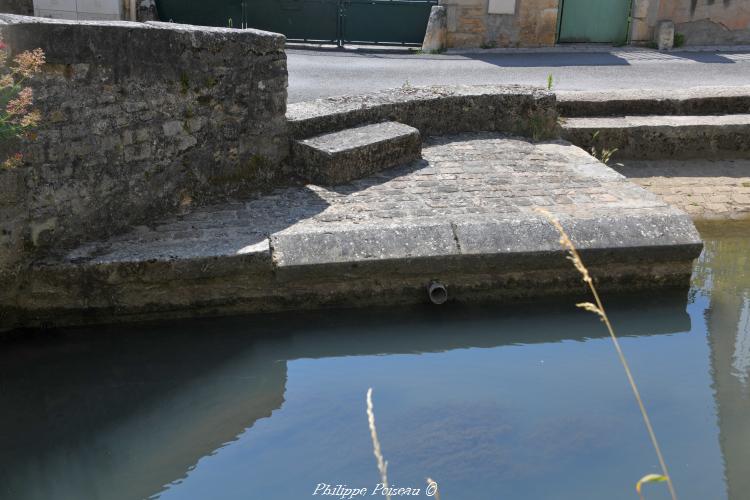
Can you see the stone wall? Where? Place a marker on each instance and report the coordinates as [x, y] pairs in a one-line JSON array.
[[700, 22], [522, 23], [709, 22], [533, 23], [23, 7], [139, 120]]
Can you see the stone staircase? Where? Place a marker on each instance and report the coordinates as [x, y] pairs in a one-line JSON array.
[[691, 147], [357, 152], [708, 123]]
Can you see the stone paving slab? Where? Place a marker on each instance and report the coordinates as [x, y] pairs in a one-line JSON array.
[[464, 215], [705, 189]]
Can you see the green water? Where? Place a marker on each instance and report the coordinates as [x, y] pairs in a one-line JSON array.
[[493, 403]]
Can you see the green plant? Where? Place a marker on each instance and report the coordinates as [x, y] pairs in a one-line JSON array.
[[679, 40], [17, 115], [489, 44], [550, 81], [597, 307], [602, 154], [542, 124], [184, 83]]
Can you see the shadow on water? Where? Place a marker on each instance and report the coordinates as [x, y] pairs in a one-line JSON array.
[[121, 412]]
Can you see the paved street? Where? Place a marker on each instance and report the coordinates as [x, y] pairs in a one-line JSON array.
[[322, 73]]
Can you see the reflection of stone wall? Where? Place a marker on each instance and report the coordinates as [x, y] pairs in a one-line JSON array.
[[532, 24]]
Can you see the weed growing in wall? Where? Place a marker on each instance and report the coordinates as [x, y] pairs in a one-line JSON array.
[[17, 114]]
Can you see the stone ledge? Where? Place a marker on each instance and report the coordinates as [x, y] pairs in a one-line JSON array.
[[132, 47], [696, 101], [663, 137], [433, 110]]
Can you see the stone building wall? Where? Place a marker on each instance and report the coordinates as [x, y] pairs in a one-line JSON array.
[[139, 119], [700, 22], [523, 23], [533, 23], [709, 22]]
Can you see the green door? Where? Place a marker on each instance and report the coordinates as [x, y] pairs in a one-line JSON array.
[[594, 21]]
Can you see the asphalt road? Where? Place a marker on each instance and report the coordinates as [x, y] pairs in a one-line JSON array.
[[322, 73]]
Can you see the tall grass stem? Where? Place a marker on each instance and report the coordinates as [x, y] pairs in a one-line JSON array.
[[574, 256]]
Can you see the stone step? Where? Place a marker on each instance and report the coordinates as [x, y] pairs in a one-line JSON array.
[[697, 101], [663, 137], [349, 154]]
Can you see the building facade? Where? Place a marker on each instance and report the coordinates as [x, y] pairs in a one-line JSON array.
[[540, 23]]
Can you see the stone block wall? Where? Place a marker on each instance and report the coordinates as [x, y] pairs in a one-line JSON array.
[[700, 22], [23, 7], [139, 120], [709, 22], [532, 23]]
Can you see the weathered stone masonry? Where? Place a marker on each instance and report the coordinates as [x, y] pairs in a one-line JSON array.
[[139, 119], [534, 23], [530, 23]]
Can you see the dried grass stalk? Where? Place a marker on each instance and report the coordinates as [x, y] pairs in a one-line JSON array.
[[598, 309]]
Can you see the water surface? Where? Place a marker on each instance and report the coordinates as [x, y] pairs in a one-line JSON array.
[[493, 403]]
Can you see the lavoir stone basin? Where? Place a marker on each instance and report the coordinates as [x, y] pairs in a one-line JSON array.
[[464, 216]]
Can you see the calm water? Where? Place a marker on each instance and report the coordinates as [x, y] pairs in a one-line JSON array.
[[492, 403]]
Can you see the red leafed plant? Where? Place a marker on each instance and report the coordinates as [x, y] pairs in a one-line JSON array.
[[17, 115]]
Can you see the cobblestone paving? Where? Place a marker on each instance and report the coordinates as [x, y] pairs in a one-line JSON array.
[[470, 176], [706, 189]]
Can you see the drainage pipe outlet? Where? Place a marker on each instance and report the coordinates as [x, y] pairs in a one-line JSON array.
[[437, 292]]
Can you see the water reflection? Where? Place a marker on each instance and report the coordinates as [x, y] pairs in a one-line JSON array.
[[495, 403], [723, 275]]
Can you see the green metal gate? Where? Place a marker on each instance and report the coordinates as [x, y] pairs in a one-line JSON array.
[[594, 21], [338, 21]]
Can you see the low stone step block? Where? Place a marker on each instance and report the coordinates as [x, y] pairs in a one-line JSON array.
[[688, 102], [353, 153], [663, 137]]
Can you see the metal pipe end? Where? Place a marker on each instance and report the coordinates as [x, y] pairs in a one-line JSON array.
[[437, 292]]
